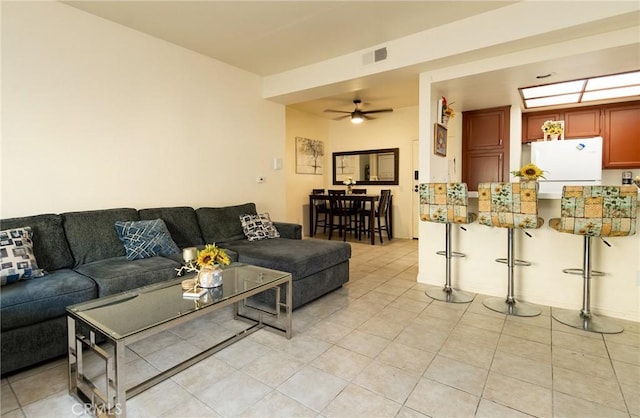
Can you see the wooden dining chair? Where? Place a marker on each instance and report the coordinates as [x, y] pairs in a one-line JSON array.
[[381, 215], [340, 215], [321, 212]]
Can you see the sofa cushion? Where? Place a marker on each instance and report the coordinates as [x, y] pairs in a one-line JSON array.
[[114, 275], [16, 253], [143, 239], [220, 225], [49, 242], [32, 301], [181, 222], [257, 227], [92, 236], [301, 258]]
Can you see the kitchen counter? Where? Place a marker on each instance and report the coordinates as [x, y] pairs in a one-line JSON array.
[[616, 294]]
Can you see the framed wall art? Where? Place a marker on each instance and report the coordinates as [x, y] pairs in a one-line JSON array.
[[440, 140], [309, 156]]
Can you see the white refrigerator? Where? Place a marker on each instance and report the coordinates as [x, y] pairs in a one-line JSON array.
[[568, 162]]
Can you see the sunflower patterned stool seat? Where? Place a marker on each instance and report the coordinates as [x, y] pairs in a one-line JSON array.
[[446, 203], [512, 206], [593, 211]]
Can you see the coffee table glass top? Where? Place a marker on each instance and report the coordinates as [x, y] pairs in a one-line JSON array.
[[124, 314]]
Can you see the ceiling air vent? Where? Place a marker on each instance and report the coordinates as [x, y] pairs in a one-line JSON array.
[[375, 56]]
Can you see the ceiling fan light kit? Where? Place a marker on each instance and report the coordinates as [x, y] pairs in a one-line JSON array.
[[357, 115]]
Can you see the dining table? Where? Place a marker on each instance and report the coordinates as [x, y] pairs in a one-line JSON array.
[[366, 200]]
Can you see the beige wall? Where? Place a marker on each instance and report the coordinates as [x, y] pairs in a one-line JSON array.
[[95, 115]]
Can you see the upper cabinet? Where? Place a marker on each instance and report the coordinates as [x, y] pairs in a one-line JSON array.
[[618, 124], [621, 145]]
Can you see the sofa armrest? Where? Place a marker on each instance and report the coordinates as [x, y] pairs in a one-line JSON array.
[[289, 230]]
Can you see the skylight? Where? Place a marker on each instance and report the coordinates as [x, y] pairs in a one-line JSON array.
[[583, 90]]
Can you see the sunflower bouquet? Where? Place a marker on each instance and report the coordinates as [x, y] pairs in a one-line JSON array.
[[529, 172], [552, 127], [211, 255]]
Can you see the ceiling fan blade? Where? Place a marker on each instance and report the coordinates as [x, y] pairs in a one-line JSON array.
[[342, 117], [336, 111], [368, 117], [377, 111]]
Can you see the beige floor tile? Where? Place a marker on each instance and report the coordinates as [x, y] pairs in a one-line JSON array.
[[328, 331], [632, 398], [625, 337], [409, 413], [594, 389], [172, 355], [273, 368], [8, 401], [340, 362], [202, 374], [569, 406], [382, 328], [313, 388], [304, 348], [458, 348], [583, 363], [482, 321], [364, 343], [388, 381], [423, 337], [489, 409], [542, 321], [588, 345], [405, 357], [522, 368], [477, 307], [518, 394], [434, 323], [408, 303], [191, 407], [155, 343], [525, 348], [528, 332], [440, 310], [275, 404], [456, 374], [36, 387], [628, 374], [355, 401], [245, 389], [624, 352], [417, 295], [477, 335], [157, 400], [437, 400]]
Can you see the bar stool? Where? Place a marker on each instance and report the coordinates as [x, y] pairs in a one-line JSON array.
[[512, 206], [446, 203], [594, 211]]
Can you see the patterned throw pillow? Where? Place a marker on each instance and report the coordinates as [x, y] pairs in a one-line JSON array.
[[16, 255], [257, 227], [144, 239]]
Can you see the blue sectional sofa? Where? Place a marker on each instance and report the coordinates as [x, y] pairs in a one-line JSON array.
[[85, 259]]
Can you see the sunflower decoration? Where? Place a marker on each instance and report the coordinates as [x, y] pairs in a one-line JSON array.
[[211, 255], [529, 172]]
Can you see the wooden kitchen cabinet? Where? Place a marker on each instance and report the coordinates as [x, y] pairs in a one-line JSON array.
[[485, 146], [621, 145], [578, 123]]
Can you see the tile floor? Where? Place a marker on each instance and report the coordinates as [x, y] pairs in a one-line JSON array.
[[378, 347]]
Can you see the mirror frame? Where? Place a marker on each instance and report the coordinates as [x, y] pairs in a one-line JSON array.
[[396, 168]]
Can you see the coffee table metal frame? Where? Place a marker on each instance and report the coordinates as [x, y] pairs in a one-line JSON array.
[[113, 402]]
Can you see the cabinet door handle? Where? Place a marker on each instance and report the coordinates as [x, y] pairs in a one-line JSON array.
[[499, 141]]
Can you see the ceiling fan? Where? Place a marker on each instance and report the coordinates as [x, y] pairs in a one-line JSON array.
[[358, 116]]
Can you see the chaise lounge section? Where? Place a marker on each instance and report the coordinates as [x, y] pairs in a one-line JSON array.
[[84, 259]]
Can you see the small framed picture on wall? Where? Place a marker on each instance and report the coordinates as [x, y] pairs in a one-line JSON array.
[[440, 140]]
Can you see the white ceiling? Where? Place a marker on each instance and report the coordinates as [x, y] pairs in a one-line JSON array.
[[267, 37]]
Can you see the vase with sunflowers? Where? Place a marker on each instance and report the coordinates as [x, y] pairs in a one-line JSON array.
[[207, 266], [552, 129], [529, 172]]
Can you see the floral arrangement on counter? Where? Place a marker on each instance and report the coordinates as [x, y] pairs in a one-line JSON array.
[[552, 127], [529, 172], [636, 181]]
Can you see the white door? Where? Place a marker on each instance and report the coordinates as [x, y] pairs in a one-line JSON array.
[[415, 201]]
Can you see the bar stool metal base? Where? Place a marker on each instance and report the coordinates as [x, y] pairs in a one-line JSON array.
[[449, 295], [584, 322], [511, 308]]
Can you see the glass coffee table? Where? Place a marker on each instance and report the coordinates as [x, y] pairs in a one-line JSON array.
[[104, 327]]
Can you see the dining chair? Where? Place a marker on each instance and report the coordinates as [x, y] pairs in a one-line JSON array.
[[381, 214], [340, 214], [321, 212]]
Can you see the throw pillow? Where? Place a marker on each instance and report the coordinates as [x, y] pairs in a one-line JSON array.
[[144, 239], [16, 254], [258, 227]]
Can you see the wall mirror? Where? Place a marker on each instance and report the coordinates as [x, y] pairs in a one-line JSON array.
[[376, 166]]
